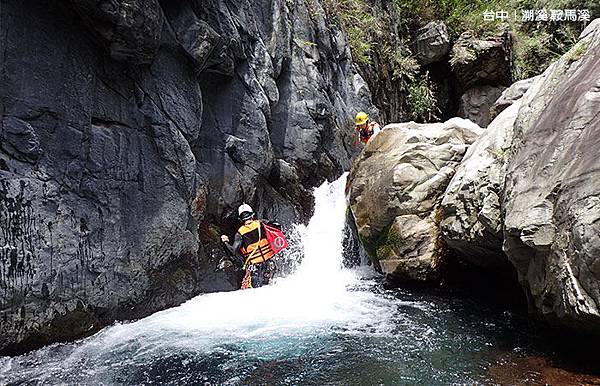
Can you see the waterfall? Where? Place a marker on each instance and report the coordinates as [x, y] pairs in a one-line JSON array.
[[321, 324], [321, 240], [270, 321]]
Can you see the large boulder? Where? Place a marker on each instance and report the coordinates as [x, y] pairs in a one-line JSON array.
[[472, 222], [476, 102], [395, 187], [479, 62], [510, 96], [551, 198], [432, 42]]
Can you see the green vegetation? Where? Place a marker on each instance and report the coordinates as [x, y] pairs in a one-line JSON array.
[[359, 22], [577, 51], [404, 64], [380, 246], [421, 100], [387, 243], [459, 15], [381, 35], [306, 43], [370, 28], [497, 153]]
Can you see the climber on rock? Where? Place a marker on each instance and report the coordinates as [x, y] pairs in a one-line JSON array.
[[366, 130], [254, 245]]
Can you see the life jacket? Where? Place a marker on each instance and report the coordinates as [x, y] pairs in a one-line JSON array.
[[366, 133], [255, 247]]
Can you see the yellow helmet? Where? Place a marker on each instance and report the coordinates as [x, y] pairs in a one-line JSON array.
[[361, 118]]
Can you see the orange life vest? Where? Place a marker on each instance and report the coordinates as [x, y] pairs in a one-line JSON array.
[[255, 247], [366, 133]]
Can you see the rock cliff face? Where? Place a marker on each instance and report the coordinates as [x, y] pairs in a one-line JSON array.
[[396, 185], [526, 192], [130, 129], [483, 69], [551, 198]]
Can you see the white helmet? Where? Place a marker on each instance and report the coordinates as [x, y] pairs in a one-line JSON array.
[[245, 212]]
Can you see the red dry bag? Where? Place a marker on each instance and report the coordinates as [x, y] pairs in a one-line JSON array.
[[275, 238]]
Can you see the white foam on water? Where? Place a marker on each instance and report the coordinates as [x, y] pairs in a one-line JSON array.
[[320, 296]]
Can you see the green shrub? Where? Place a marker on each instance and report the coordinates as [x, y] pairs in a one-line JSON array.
[[421, 100], [358, 20], [404, 64]]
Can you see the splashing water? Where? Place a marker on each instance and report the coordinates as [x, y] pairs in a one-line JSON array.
[[266, 323], [323, 324]]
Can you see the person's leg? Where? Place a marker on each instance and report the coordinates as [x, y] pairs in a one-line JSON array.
[[262, 274], [247, 279], [256, 276], [268, 270]]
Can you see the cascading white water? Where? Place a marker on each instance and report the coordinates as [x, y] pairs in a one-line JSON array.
[[268, 321], [322, 324]]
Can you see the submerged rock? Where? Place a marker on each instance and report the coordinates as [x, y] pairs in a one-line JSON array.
[[395, 187], [551, 200]]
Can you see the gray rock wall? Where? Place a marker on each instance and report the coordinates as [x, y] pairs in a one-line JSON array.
[[551, 194], [527, 190], [131, 131]]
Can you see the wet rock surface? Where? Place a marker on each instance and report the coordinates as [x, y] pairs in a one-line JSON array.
[[396, 185], [131, 131]]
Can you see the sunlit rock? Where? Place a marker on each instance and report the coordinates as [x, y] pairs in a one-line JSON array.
[[552, 196], [510, 96], [396, 185], [472, 220]]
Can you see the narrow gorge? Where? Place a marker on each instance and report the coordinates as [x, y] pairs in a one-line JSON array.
[[445, 250]]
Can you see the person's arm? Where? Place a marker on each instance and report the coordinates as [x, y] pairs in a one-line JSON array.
[[226, 245], [237, 252], [234, 250]]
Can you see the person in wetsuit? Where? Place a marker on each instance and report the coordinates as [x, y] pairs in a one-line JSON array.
[[250, 250], [366, 130]]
